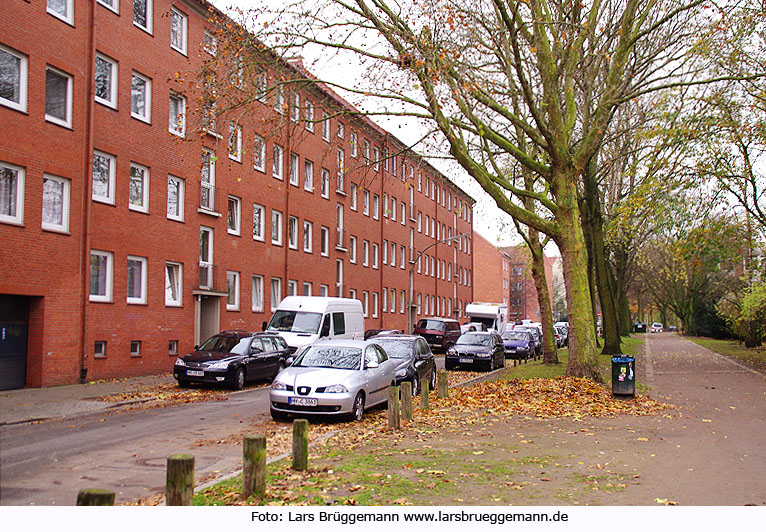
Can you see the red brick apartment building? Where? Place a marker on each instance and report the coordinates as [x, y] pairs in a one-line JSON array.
[[503, 275], [132, 228]]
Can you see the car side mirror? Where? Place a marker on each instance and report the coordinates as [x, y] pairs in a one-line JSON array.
[[289, 361], [196, 348], [256, 350], [371, 365], [264, 325]]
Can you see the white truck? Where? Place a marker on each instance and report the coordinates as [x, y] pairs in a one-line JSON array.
[[491, 315]]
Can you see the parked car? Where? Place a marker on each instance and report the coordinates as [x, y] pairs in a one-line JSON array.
[[475, 350], [518, 345], [672, 328], [468, 327], [639, 327], [369, 333], [233, 358], [339, 377], [412, 356], [564, 334], [656, 327], [536, 336], [440, 333]]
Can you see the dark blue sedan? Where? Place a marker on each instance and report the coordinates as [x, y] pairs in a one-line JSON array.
[[518, 345], [476, 350]]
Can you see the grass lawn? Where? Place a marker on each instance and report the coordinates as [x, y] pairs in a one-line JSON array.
[[754, 357]]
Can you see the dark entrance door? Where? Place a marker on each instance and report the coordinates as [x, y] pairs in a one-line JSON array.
[[14, 323]]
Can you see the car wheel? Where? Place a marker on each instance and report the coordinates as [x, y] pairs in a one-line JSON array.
[[432, 384], [415, 385], [239, 379], [183, 383], [492, 363], [358, 410]]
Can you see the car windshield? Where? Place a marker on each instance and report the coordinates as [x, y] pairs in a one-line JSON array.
[[474, 339], [339, 357], [656, 325], [516, 335], [294, 321], [396, 348], [222, 344], [434, 325]]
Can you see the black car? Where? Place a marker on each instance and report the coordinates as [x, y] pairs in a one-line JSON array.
[[233, 358], [474, 350], [412, 357]]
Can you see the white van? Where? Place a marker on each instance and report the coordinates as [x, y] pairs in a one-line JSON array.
[[301, 320]]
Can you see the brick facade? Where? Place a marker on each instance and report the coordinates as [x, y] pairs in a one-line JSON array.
[[52, 268]]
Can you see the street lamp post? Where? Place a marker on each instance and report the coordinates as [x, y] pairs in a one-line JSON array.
[[412, 274]]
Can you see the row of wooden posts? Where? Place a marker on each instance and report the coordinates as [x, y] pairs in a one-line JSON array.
[[179, 481]]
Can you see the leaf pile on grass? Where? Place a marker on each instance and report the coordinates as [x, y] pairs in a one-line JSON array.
[[167, 395], [557, 397]]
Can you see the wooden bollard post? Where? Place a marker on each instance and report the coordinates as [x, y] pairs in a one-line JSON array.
[[179, 483], [424, 390], [95, 497], [393, 408], [443, 384], [254, 465], [301, 444], [407, 400]]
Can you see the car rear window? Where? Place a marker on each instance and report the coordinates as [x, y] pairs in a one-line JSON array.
[[435, 325], [396, 348]]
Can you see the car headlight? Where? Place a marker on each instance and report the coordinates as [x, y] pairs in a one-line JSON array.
[[401, 373], [219, 365], [180, 362], [452, 352], [276, 385], [482, 355], [336, 388]]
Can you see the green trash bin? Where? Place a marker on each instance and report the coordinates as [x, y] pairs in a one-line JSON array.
[[623, 375]]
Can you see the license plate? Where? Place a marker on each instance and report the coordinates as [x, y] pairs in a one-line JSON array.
[[463, 360], [195, 373], [302, 401]]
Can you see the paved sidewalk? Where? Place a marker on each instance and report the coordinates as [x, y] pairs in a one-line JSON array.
[[36, 404]]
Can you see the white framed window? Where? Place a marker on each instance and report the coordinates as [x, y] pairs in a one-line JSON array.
[[352, 249], [308, 115], [173, 284], [106, 81], [341, 130], [365, 303], [276, 227], [324, 290], [257, 296], [259, 153], [325, 126], [384, 291], [56, 192], [259, 221], [324, 234], [173, 347], [58, 96], [385, 251], [11, 193], [178, 30], [207, 180], [103, 177], [177, 115], [13, 81], [100, 276], [295, 178], [206, 242], [375, 206], [62, 9], [292, 287], [234, 211], [138, 189], [308, 175], [292, 232], [135, 348], [366, 151], [392, 301], [341, 160], [112, 5], [354, 144], [403, 212], [339, 277], [352, 293], [308, 236], [325, 184], [393, 165], [142, 14], [402, 301], [376, 158], [366, 202], [210, 42], [353, 193], [375, 253], [136, 280], [385, 205], [365, 253], [277, 161], [307, 289], [295, 107], [420, 222], [279, 99], [232, 290], [261, 85], [386, 159], [235, 142], [141, 97], [393, 209], [176, 193], [276, 292], [374, 304], [392, 257]]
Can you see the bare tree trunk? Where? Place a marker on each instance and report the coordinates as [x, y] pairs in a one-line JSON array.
[[550, 355]]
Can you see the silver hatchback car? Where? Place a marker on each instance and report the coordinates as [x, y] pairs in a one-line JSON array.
[[334, 377]]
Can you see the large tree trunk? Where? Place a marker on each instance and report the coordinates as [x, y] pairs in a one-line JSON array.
[[621, 283], [583, 359], [550, 355], [596, 228]]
